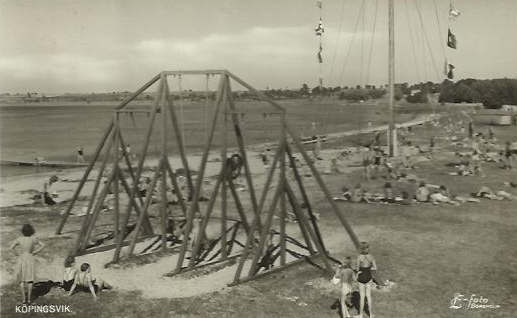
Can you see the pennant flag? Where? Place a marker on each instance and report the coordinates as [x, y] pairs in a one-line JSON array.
[[451, 40], [319, 29], [319, 4], [450, 73], [320, 57], [453, 13]]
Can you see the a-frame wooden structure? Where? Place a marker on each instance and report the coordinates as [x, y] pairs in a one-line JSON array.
[[257, 226]]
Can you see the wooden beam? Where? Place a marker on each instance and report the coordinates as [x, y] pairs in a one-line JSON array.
[[96, 210], [242, 150], [303, 219], [283, 211], [202, 228], [305, 197], [176, 187], [224, 205], [179, 138], [116, 155], [148, 200], [88, 215], [201, 173], [297, 210], [323, 187], [83, 179], [265, 231], [238, 205], [138, 92], [195, 72], [274, 270]]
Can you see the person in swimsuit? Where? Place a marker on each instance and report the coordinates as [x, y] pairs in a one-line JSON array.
[[69, 273], [365, 266], [25, 265], [85, 281]]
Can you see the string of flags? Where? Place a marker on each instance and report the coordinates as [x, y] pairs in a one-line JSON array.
[[319, 30], [451, 40]]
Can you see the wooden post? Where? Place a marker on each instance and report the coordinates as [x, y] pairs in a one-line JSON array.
[[202, 228], [88, 215], [164, 202], [305, 197], [323, 188], [297, 211], [84, 178], [224, 158], [176, 187], [238, 205], [116, 156], [179, 137], [96, 210], [265, 231], [199, 180], [242, 150], [283, 211], [319, 246], [148, 200]]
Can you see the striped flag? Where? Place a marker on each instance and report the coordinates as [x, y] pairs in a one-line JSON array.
[[319, 4]]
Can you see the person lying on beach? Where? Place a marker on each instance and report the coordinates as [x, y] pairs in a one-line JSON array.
[[442, 196], [487, 193], [85, 281]]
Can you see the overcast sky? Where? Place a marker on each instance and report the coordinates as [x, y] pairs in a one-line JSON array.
[[59, 46]]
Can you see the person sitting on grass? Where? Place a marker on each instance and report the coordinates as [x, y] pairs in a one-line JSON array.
[[69, 273], [346, 193], [422, 193], [358, 195], [389, 197], [47, 197], [86, 282]]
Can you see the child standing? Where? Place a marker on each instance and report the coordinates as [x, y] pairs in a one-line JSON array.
[[344, 275], [365, 266], [25, 265]]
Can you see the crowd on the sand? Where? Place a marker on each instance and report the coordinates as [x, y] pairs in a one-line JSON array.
[[403, 186]]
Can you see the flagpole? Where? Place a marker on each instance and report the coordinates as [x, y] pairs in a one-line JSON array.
[[392, 143]]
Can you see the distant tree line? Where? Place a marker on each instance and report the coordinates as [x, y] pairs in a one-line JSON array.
[[491, 93]]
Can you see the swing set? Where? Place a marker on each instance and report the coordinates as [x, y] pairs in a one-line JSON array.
[[251, 239]]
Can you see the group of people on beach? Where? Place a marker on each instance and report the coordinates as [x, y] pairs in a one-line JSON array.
[[27, 247]]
